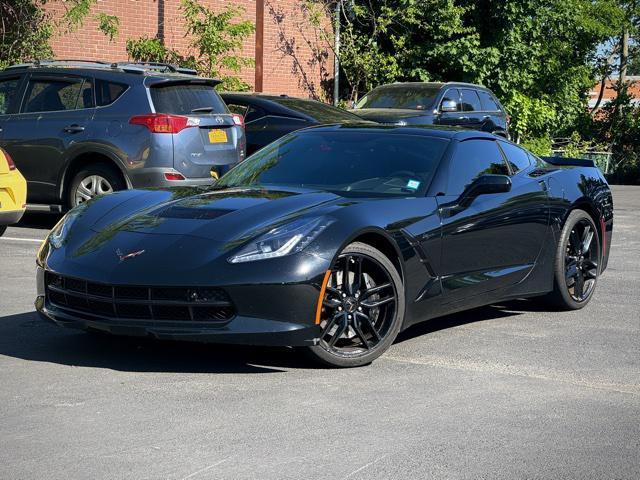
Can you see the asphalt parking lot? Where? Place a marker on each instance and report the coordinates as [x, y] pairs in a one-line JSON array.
[[508, 391]]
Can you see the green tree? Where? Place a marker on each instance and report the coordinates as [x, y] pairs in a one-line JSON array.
[[216, 37], [25, 31]]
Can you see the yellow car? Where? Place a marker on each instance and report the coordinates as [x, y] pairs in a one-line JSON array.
[[13, 192]]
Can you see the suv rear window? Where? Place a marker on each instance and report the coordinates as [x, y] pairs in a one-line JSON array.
[[183, 99]]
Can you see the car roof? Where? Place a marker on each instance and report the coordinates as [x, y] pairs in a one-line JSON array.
[[432, 85], [440, 131], [277, 103]]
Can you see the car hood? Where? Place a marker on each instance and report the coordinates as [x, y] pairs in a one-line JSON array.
[[391, 115], [220, 215]]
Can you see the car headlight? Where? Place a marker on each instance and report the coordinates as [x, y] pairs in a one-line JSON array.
[[283, 240], [59, 233]]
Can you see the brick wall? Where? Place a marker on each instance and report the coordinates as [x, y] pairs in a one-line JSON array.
[[296, 60]]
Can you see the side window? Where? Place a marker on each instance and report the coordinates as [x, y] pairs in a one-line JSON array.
[[52, 95], [472, 159], [452, 94], [8, 91], [518, 159], [236, 108], [86, 95], [253, 114], [470, 101], [489, 103], [108, 92]]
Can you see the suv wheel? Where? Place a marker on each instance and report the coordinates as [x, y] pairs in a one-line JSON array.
[[92, 181]]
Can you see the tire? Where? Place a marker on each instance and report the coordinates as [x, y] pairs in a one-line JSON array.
[[576, 271], [367, 312], [97, 179], [3, 228]]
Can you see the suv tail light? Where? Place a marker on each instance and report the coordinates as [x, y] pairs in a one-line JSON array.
[[164, 123], [508, 119], [12, 166], [238, 119]]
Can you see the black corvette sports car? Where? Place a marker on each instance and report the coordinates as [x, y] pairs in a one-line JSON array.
[[334, 238]]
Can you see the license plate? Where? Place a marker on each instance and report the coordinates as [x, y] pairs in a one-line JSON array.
[[217, 136]]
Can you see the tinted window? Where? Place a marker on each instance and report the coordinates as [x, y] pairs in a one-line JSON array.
[[350, 162], [253, 114], [85, 100], [44, 95], [8, 92], [470, 101], [452, 95], [236, 108], [321, 112], [413, 97], [108, 92], [472, 159], [517, 157], [489, 104], [182, 99]]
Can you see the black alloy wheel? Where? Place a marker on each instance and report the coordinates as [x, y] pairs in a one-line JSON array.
[[577, 262], [362, 309]]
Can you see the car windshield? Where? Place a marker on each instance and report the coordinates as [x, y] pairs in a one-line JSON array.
[[411, 97], [321, 112], [348, 162]]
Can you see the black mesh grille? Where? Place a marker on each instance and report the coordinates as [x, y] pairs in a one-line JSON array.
[[198, 304]]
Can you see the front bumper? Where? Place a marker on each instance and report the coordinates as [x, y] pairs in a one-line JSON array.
[[241, 329], [11, 217]]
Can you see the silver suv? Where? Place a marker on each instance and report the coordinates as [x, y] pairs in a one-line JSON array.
[[77, 129]]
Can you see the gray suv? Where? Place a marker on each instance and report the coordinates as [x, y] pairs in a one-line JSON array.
[[76, 129]]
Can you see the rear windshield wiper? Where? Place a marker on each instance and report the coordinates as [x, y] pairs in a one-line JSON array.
[[202, 110]]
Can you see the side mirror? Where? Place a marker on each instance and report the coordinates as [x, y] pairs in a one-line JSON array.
[[484, 185], [353, 105], [449, 106]]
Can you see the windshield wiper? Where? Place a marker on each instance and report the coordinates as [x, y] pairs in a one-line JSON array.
[[202, 110]]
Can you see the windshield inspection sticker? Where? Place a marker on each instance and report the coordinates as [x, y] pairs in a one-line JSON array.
[[413, 184]]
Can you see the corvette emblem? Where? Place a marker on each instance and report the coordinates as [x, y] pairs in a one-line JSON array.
[[127, 256]]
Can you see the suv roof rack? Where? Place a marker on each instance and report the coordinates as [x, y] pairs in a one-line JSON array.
[[129, 67]]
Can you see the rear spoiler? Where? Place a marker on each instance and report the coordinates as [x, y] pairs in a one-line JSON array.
[[569, 162]]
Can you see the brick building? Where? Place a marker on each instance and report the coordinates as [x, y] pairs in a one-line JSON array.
[[609, 92], [289, 55]]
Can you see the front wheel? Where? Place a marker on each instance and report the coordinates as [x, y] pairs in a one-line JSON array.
[[362, 309], [577, 262]]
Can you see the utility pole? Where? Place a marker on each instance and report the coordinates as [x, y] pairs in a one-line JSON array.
[[624, 55], [336, 57]]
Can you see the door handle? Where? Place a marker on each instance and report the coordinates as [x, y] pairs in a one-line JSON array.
[[465, 119], [74, 128]]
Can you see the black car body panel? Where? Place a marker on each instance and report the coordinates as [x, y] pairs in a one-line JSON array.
[[450, 257], [405, 105], [269, 117]]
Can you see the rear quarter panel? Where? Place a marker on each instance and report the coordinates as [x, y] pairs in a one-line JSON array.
[[587, 189]]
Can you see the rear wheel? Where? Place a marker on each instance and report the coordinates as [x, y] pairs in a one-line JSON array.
[[93, 180], [577, 262], [362, 310]]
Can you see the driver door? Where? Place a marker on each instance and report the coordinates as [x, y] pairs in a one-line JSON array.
[[493, 242]]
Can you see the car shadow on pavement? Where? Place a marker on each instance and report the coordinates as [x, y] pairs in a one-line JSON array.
[[490, 312], [28, 337]]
